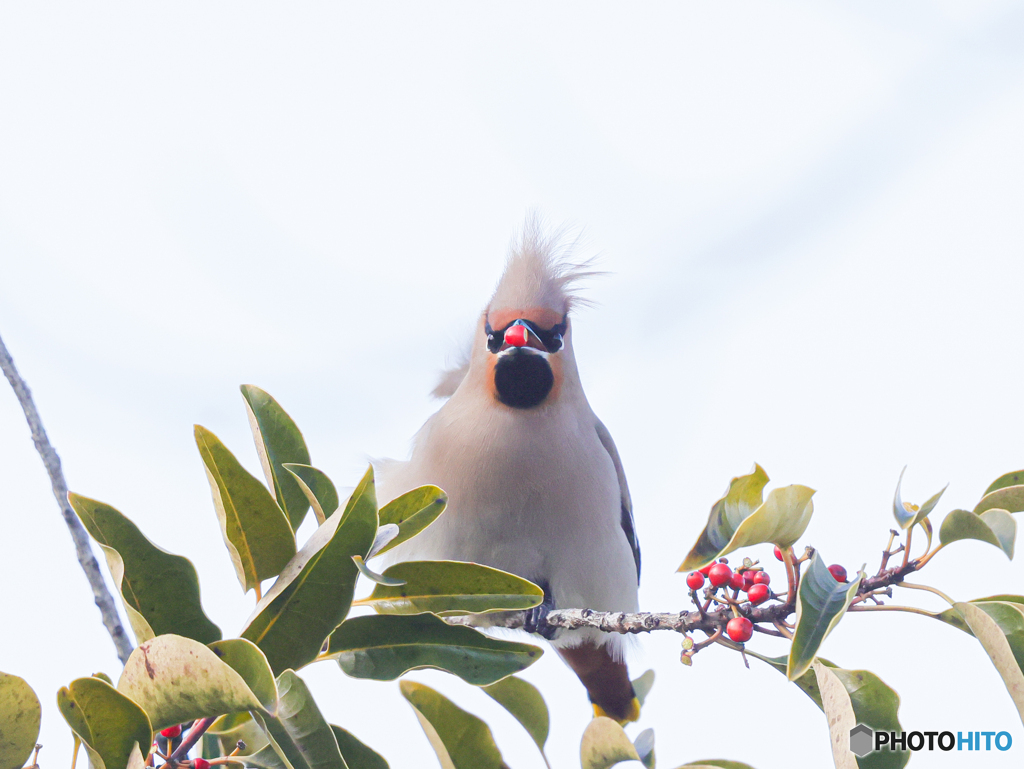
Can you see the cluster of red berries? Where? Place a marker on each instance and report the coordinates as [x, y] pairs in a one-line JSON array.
[[837, 571], [753, 582]]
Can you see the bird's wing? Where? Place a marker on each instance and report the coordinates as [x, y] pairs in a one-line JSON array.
[[628, 527]]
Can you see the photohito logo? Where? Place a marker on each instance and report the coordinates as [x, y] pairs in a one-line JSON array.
[[864, 740]]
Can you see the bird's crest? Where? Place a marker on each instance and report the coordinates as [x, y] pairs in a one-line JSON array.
[[540, 272]]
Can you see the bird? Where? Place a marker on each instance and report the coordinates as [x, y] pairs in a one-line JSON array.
[[534, 481]]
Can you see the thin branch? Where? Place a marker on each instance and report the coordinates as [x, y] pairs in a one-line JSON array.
[[83, 549], [684, 621]]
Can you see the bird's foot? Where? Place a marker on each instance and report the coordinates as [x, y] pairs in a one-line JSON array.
[[537, 617]]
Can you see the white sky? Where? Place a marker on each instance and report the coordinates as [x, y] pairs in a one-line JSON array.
[[812, 219]]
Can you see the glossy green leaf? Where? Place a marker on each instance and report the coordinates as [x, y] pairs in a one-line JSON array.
[[300, 729], [1009, 498], [230, 729], [356, 754], [1016, 478], [412, 513], [176, 679], [160, 590], [278, 441], [385, 647], [460, 739], [743, 497], [835, 701], [999, 627], [642, 686], [874, 703], [821, 603], [526, 704], [314, 592], [605, 744], [20, 714], [997, 527], [907, 514], [107, 722], [257, 533], [451, 587], [318, 488]]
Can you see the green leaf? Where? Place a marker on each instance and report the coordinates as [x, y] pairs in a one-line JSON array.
[[1016, 478], [874, 704], [644, 745], [781, 519], [318, 488], [20, 714], [999, 627], [357, 755], [257, 534], [373, 576], [1010, 499], [908, 515], [460, 739], [160, 590], [278, 441], [412, 513], [743, 497], [526, 704], [821, 603], [299, 728], [642, 686], [385, 647], [230, 729], [997, 527], [314, 592], [605, 744], [107, 722], [839, 712], [451, 587], [176, 679]]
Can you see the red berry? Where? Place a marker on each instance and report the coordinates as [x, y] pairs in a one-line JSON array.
[[171, 731], [517, 335], [719, 575], [838, 572], [740, 629], [758, 593], [200, 763], [748, 579], [695, 581], [706, 569], [762, 578], [736, 581], [778, 553]]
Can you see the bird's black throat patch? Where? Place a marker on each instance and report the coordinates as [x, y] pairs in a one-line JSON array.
[[522, 379]]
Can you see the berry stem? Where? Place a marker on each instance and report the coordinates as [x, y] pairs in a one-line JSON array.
[[890, 607], [906, 548]]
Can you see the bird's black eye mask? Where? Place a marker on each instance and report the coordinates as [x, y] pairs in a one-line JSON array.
[[551, 338]]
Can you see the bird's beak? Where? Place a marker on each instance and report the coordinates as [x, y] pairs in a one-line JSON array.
[[519, 334]]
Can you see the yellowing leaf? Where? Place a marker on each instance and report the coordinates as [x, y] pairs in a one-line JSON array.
[[605, 744]]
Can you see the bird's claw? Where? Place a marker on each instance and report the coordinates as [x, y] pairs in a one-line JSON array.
[[537, 618]]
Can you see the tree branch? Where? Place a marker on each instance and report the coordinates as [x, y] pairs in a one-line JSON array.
[[83, 549], [681, 622]]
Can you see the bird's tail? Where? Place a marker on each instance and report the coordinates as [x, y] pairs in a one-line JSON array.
[[606, 679]]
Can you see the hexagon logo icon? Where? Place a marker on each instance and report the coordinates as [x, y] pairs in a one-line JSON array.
[[861, 740]]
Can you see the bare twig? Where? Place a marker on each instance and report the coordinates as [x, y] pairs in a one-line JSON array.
[[108, 611]]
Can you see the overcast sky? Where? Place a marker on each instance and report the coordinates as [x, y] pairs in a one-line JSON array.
[[811, 217]]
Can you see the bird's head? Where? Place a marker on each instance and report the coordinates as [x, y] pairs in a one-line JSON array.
[[524, 341]]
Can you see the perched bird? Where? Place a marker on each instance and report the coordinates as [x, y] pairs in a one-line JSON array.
[[534, 481]]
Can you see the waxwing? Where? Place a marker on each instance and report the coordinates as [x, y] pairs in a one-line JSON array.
[[534, 481]]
